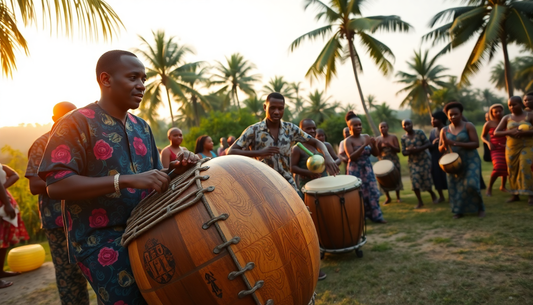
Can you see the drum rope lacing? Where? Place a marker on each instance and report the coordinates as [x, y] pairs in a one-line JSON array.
[[149, 213]]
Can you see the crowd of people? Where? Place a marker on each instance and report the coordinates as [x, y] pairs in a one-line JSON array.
[[100, 160]]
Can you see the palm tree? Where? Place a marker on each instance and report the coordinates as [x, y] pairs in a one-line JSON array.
[[255, 106], [384, 114], [318, 108], [235, 76], [521, 72], [422, 83], [345, 21], [166, 61], [92, 18], [194, 74], [297, 101], [495, 23], [347, 108], [372, 101], [488, 97], [278, 84]]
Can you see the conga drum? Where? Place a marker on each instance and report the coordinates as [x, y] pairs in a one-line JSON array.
[[386, 174], [451, 163], [229, 231], [337, 211]]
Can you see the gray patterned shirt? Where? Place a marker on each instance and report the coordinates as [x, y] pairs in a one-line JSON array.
[[257, 137]]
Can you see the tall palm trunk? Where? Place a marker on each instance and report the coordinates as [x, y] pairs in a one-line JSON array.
[[170, 107], [234, 89], [369, 118], [507, 66], [428, 99], [195, 109]]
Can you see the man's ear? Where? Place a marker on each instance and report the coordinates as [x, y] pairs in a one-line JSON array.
[[105, 79]]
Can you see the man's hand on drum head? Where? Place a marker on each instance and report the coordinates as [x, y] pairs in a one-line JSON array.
[[331, 166], [183, 162]]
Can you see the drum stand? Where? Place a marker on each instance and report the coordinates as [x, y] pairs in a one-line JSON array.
[[361, 242]]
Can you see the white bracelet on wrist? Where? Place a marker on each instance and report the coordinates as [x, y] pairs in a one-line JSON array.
[[116, 183]]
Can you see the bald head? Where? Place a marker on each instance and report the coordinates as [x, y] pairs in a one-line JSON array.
[[515, 99], [173, 130], [60, 109]]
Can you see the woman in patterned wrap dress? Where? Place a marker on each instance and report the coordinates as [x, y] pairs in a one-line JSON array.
[[389, 148], [496, 146], [464, 187], [519, 148], [415, 144], [358, 148]]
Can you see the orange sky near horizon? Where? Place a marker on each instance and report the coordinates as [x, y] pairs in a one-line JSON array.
[[62, 69]]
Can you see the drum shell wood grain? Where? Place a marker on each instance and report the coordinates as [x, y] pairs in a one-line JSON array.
[[454, 167], [388, 180], [337, 229], [276, 234]]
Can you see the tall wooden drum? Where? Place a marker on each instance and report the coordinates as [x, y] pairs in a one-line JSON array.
[[338, 213], [230, 231]]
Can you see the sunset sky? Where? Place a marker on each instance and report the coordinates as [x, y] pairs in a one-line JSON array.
[[62, 69]]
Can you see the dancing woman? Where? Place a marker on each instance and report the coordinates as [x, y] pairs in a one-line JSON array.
[[518, 149], [496, 146], [461, 137], [415, 145], [388, 149], [358, 148], [438, 121]]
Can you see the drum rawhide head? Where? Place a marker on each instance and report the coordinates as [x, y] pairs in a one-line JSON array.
[[383, 167], [332, 183], [448, 158]]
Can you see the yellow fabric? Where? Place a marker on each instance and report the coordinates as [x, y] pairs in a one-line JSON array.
[[519, 155]]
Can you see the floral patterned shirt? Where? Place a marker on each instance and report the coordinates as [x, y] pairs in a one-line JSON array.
[[257, 136], [49, 209], [92, 143]]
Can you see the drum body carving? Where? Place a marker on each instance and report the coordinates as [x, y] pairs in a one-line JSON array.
[[451, 163], [337, 211], [250, 240], [386, 174]]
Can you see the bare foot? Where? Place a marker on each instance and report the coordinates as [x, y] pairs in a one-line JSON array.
[[489, 193], [387, 201], [481, 214], [419, 205], [8, 274], [513, 198], [441, 199], [381, 221], [5, 284], [504, 190], [457, 216], [399, 200]]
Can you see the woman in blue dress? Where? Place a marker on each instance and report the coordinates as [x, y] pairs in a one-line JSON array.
[[358, 148], [463, 188], [204, 147]]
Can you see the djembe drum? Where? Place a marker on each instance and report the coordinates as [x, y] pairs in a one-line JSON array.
[[451, 163], [337, 211], [229, 231], [386, 174]]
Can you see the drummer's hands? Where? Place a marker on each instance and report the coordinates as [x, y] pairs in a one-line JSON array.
[[331, 166], [153, 179], [184, 161], [269, 151]]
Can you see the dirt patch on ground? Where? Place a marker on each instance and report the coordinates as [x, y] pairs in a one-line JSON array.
[[28, 282]]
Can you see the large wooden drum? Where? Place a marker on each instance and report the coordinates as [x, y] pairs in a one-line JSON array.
[[337, 211], [233, 232], [451, 163], [386, 174]]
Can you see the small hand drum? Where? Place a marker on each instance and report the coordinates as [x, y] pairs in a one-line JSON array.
[[451, 163], [387, 174]]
